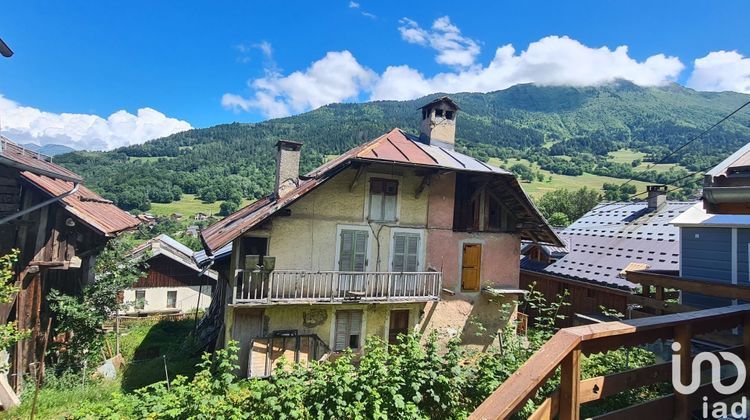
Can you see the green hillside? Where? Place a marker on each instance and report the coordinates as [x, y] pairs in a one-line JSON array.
[[566, 131]]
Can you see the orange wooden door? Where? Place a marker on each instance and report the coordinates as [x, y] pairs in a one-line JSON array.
[[470, 266]]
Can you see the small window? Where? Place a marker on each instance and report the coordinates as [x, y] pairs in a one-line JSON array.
[[140, 299], [439, 113], [172, 299], [449, 115], [383, 196], [353, 250], [348, 330], [405, 252]]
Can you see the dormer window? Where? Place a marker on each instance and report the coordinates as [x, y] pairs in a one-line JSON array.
[[383, 199]]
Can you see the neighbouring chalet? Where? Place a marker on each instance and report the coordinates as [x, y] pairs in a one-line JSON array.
[[716, 232], [173, 281], [60, 227], [401, 233], [603, 245]]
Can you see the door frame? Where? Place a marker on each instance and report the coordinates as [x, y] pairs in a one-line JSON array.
[[461, 245]]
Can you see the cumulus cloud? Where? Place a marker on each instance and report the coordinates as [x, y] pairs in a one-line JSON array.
[[453, 49], [353, 5], [334, 78], [721, 71], [553, 60], [24, 124]]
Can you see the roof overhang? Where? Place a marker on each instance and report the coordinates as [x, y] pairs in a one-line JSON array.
[[696, 216]]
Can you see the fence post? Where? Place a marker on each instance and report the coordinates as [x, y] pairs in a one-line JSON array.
[[570, 383], [682, 334]]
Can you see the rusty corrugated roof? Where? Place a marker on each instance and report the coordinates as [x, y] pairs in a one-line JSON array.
[[87, 206], [396, 147], [28, 160]]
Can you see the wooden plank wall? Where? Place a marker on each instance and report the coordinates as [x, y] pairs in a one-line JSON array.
[[584, 298], [164, 272]]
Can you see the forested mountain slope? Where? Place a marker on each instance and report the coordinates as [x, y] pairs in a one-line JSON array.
[[566, 130]]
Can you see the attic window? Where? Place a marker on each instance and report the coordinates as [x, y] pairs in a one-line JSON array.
[[449, 115], [438, 112], [383, 197]]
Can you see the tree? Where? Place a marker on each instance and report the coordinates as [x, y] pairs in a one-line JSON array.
[[114, 271], [9, 334], [227, 208], [559, 219], [572, 204]]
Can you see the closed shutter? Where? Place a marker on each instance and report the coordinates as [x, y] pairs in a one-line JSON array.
[[405, 252], [353, 251], [348, 328]]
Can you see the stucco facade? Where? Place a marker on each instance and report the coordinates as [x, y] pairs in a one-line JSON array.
[[156, 298]]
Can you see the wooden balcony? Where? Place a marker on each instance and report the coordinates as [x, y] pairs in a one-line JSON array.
[[565, 349], [254, 287]]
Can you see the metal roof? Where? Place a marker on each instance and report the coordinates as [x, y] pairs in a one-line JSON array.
[[612, 235], [172, 249], [87, 206], [201, 258], [24, 159], [396, 147]]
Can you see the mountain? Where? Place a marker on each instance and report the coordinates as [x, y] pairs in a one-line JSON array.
[[49, 149], [566, 130]]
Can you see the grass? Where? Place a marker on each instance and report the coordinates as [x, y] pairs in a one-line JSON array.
[[188, 206], [536, 188], [143, 343], [628, 156]]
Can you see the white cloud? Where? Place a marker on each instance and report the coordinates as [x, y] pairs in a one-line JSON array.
[[24, 124], [553, 60], [453, 49], [246, 50], [353, 5], [334, 78], [721, 71]]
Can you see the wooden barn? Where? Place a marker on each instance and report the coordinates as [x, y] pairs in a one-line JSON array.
[[59, 226]]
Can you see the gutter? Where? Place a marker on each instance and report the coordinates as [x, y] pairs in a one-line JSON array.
[[720, 195], [40, 205]]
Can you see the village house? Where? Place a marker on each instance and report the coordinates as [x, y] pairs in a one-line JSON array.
[[173, 281], [604, 244], [59, 226], [399, 234]]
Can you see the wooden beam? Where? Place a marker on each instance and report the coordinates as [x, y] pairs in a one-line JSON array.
[[660, 305], [707, 288], [360, 171], [424, 184], [683, 335], [570, 383]]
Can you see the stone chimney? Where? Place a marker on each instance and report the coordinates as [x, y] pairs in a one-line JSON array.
[[657, 196], [438, 126], [287, 166]]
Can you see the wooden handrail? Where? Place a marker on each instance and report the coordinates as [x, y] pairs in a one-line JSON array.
[[703, 287], [562, 350]]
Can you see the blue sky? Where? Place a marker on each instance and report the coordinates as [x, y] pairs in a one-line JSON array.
[[103, 74]]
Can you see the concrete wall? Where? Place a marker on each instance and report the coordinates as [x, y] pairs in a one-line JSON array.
[[156, 298]]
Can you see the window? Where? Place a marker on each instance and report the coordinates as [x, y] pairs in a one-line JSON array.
[[172, 299], [140, 299], [383, 196], [438, 112], [399, 324], [449, 115], [353, 250], [348, 330], [405, 257]]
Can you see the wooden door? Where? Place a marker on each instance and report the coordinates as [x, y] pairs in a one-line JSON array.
[[471, 263], [399, 324], [248, 324]]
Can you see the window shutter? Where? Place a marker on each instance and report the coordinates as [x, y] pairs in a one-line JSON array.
[[355, 325], [342, 333], [405, 252], [353, 252]]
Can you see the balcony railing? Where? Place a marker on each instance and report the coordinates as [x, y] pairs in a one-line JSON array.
[[290, 286]]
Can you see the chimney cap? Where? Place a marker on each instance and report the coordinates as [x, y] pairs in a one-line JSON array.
[[289, 144], [657, 188], [445, 99]]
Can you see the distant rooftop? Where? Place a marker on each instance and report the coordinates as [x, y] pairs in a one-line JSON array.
[[607, 239]]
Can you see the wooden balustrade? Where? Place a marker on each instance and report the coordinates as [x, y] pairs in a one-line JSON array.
[[564, 350], [289, 286]]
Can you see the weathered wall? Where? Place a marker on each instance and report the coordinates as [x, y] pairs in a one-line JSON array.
[[187, 297], [312, 226]]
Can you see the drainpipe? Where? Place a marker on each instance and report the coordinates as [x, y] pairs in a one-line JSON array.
[[40, 205]]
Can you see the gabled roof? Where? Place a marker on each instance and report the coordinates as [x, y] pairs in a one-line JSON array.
[[24, 159], [441, 99], [172, 249], [395, 147], [737, 162], [89, 207], [611, 236]]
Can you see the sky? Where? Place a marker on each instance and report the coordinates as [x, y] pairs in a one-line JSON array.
[[99, 75]]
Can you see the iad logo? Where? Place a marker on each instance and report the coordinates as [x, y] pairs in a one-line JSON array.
[[718, 409]]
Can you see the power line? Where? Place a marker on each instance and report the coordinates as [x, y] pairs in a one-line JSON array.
[[701, 134]]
